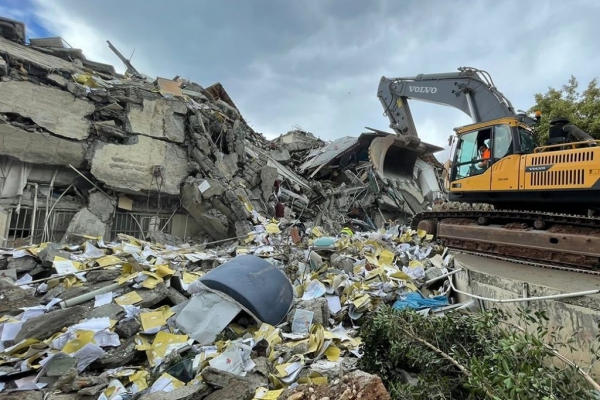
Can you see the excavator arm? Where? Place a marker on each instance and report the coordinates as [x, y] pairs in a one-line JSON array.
[[469, 90]]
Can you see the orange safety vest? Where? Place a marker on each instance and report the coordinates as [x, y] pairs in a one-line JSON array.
[[484, 158]]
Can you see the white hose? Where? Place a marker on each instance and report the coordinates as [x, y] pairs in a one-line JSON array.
[[525, 299]]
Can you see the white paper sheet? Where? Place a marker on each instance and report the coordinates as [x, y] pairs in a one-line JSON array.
[[29, 383], [32, 313], [205, 316], [11, 330], [87, 355], [107, 338], [314, 290], [162, 384], [92, 251], [235, 359], [25, 279], [103, 299], [20, 253], [64, 267], [302, 321], [334, 304]]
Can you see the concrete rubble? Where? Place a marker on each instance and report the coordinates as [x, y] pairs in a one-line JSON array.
[[176, 149], [109, 319], [121, 193]]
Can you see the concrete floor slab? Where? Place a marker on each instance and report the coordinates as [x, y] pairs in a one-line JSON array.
[[565, 281]]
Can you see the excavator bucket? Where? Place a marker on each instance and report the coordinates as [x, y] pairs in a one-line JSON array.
[[391, 159]]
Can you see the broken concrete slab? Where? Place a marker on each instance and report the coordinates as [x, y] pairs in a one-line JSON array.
[[84, 223], [117, 356], [210, 188], [12, 298], [46, 325], [35, 58], [268, 176], [59, 80], [210, 219], [319, 307], [93, 391], [59, 364], [109, 129], [150, 298], [53, 109], [163, 238], [280, 155], [52, 250], [192, 392], [30, 395], [159, 118], [128, 327], [129, 168], [102, 206], [235, 391], [37, 148], [22, 264], [103, 275], [63, 176], [112, 311], [220, 378], [81, 382]]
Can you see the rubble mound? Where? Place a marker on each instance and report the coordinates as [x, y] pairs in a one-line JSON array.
[[356, 385]]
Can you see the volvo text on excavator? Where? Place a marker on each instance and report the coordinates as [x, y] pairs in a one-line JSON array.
[[544, 197]]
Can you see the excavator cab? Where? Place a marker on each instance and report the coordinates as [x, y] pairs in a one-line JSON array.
[[481, 147]]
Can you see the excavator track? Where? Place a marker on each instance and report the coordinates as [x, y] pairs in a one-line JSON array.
[[560, 241]]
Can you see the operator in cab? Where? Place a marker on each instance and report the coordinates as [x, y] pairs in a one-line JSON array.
[[485, 155]]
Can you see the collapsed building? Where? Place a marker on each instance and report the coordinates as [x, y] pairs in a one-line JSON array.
[[89, 151]]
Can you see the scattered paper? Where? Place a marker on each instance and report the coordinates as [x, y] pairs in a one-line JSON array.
[[106, 338], [10, 330], [302, 321], [204, 186], [129, 299], [266, 394], [334, 304], [152, 322], [87, 355], [92, 252], [63, 266], [314, 290], [166, 383], [29, 383], [233, 359], [103, 299], [205, 316]]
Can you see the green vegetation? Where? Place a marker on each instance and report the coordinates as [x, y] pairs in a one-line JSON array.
[[581, 108], [469, 356]]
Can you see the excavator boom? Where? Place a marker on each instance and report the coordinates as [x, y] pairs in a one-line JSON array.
[[469, 90]]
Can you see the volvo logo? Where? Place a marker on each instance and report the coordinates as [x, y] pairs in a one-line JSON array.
[[422, 89]]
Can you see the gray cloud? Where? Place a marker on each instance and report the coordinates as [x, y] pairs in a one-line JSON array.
[[317, 63]]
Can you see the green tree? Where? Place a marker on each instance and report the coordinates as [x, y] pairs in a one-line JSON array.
[[581, 108]]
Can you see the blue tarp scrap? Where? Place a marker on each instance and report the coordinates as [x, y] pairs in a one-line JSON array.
[[416, 301]]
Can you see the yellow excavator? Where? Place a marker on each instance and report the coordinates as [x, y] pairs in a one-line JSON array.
[[530, 202]]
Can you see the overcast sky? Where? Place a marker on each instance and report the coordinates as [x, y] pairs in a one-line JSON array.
[[316, 64]]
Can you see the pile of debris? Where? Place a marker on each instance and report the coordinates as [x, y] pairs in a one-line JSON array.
[[153, 242], [89, 151], [236, 320]]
